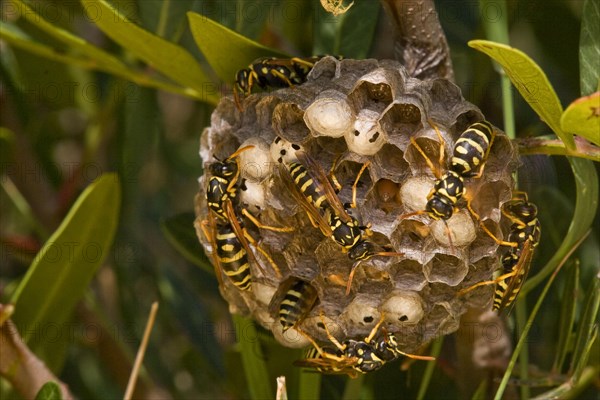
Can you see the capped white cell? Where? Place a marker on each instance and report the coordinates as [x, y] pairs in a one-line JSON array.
[[329, 115], [283, 151], [366, 138], [255, 163], [403, 307]]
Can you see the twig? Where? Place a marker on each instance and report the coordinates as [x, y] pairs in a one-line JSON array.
[[420, 43], [140, 354]]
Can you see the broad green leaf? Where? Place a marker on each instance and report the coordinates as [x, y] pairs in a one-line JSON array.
[[253, 359], [567, 317], [170, 59], [530, 81], [589, 47], [14, 36], [349, 34], [64, 267], [225, 50], [586, 204], [179, 231], [50, 391], [582, 118], [96, 54]]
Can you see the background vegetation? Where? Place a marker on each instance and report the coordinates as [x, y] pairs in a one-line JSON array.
[[118, 93]]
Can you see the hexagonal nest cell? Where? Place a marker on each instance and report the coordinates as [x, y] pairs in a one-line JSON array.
[[352, 112]]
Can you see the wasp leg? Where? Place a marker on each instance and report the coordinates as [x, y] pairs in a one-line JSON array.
[[354, 186], [298, 60], [262, 251], [462, 292], [499, 242], [373, 332], [334, 180], [442, 157], [282, 77], [331, 338], [260, 225]]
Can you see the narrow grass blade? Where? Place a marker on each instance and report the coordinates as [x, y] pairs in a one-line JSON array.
[[426, 380], [582, 117], [62, 270], [531, 82], [497, 31], [255, 369], [567, 317], [225, 50], [353, 388], [587, 327], [586, 204], [309, 385], [167, 57], [527, 328]]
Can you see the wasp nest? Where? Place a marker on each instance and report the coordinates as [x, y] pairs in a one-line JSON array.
[[351, 112]]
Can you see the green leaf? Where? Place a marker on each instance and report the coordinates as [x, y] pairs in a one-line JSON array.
[[168, 58], [349, 34], [64, 267], [225, 50], [17, 38], [179, 231], [589, 47], [582, 118], [586, 204], [99, 55], [531, 82], [50, 391], [253, 359]]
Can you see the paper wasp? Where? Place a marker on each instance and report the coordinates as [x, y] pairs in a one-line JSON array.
[[224, 227], [293, 300], [468, 160], [312, 189], [523, 238], [354, 357], [270, 72]]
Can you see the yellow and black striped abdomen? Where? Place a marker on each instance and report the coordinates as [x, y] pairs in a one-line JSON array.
[[309, 188], [502, 295], [297, 303], [472, 148], [233, 258]]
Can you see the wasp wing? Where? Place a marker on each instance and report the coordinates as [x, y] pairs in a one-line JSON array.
[[322, 181], [521, 271], [240, 232], [209, 233], [313, 213]]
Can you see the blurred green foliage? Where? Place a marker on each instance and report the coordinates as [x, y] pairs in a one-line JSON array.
[[94, 88]]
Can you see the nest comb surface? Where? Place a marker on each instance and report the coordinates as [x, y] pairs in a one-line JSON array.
[[357, 111]]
